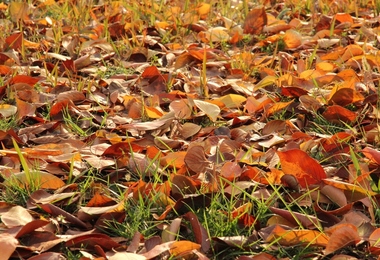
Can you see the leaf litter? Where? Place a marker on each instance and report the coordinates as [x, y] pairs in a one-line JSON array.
[[223, 130]]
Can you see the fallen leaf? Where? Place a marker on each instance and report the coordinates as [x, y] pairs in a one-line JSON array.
[[16, 216], [40, 179], [255, 21], [302, 166], [8, 245], [211, 110], [183, 248], [196, 160], [232, 100], [297, 237], [342, 236]]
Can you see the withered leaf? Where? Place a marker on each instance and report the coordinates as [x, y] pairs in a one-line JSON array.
[[255, 21]]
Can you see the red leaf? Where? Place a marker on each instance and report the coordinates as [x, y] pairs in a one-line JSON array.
[[27, 228], [5, 70], [293, 91], [90, 240], [342, 236], [57, 109], [122, 148], [14, 41], [55, 211], [306, 221], [151, 72], [200, 233], [336, 113], [23, 79]]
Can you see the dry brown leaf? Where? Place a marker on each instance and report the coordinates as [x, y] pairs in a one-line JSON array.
[[196, 160], [255, 21], [8, 245]]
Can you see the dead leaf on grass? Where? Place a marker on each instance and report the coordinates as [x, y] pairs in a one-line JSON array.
[[255, 21], [302, 166]]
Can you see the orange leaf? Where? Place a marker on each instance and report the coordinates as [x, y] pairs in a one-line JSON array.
[[182, 248], [343, 18], [255, 21], [121, 149], [153, 112], [23, 79], [298, 163], [183, 60], [253, 105], [292, 39], [352, 50], [374, 238], [150, 72], [296, 237], [5, 70], [334, 54], [24, 108], [43, 180], [8, 245], [349, 187], [174, 159], [100, 200], [276, 107]]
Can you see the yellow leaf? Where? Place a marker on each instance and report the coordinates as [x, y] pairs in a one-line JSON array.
[[232, 100], [152, 112], [267, 81], [204, 9], [276, 219], [164, 200], [19, 11], [217, 34]]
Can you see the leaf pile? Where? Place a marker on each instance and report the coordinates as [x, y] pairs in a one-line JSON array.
[[144, 130]]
